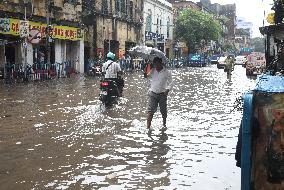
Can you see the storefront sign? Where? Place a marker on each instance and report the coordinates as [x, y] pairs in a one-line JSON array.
[[152, 36], [12, 26], [66, 32]]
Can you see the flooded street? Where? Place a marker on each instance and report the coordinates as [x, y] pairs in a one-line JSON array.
[[55, 135]]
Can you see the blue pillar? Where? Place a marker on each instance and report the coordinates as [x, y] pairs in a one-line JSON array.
[[246, 142]]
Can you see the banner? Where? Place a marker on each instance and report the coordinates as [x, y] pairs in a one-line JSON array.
[[12, 27], [66, 32]]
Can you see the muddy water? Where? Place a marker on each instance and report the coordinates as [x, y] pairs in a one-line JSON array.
[[55, 134]]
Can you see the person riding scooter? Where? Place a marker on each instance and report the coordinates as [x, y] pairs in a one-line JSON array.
[[112, 71]]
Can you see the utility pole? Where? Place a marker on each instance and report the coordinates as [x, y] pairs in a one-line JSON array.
[[25, 42], [48, 29]]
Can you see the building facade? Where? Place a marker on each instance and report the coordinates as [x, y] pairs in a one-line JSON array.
[[158, 25], [243, 33], [48, 29], [112, 25], [228, 11]]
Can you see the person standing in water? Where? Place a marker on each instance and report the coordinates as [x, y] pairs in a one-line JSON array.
[[160, 86]]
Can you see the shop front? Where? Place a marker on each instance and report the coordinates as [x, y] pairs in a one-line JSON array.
[[64, 44]]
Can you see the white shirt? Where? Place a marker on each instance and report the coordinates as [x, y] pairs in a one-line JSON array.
[[112, 70], [160, 81]]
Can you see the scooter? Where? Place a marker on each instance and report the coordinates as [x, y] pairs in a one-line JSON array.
[[110, 91]]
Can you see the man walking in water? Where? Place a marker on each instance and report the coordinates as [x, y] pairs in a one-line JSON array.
[[160, 85], [229, 67]]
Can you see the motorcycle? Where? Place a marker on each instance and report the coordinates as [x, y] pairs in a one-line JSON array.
[[110, 90]]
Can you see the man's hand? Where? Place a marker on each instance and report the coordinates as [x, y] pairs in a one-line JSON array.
[[167, 92]]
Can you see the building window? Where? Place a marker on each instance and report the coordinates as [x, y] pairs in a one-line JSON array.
[[161, 26], [168, 28], [90, 3], [149, 23], [131, 9], [123, 7], [127, 8], [120, 7], [157, 25], [117, 6], [105, 7]]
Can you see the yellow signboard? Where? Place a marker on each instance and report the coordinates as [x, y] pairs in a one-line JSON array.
[[12, 26]]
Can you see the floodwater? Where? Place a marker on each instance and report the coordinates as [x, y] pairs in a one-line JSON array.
[[55, 135]]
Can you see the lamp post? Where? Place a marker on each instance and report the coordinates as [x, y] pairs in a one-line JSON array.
[[48, 29], [25, 41]]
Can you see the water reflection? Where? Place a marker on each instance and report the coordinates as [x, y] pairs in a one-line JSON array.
[[54, 134], [157, 168]]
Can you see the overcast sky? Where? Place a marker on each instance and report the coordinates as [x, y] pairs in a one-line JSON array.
[[251, 10]]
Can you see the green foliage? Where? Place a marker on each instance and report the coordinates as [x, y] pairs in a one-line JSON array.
[[278, 8], [227, 47], [258, 44], [194, 27], [223, 19]]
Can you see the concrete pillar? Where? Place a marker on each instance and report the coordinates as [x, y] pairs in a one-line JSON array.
[[30, 57], [64, 50], [74, 52], [2, 56], [92, 42], [19, 54], [81, 56], [58, 51]]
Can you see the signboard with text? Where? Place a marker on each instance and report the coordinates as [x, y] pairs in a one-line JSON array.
[[12, 27], [152, 36]]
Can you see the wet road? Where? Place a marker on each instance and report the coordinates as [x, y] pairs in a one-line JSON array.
[[55, 134]]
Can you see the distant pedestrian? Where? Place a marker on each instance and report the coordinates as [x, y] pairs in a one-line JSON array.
[[122, 61], [126, 61], [161, 84], [229, 66]]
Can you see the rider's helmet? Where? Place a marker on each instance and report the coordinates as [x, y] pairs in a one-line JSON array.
[[110, 56]]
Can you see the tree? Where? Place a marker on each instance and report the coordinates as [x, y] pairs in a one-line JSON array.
[[258, 44], [227, 47], [196, 28], [278, 8]]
